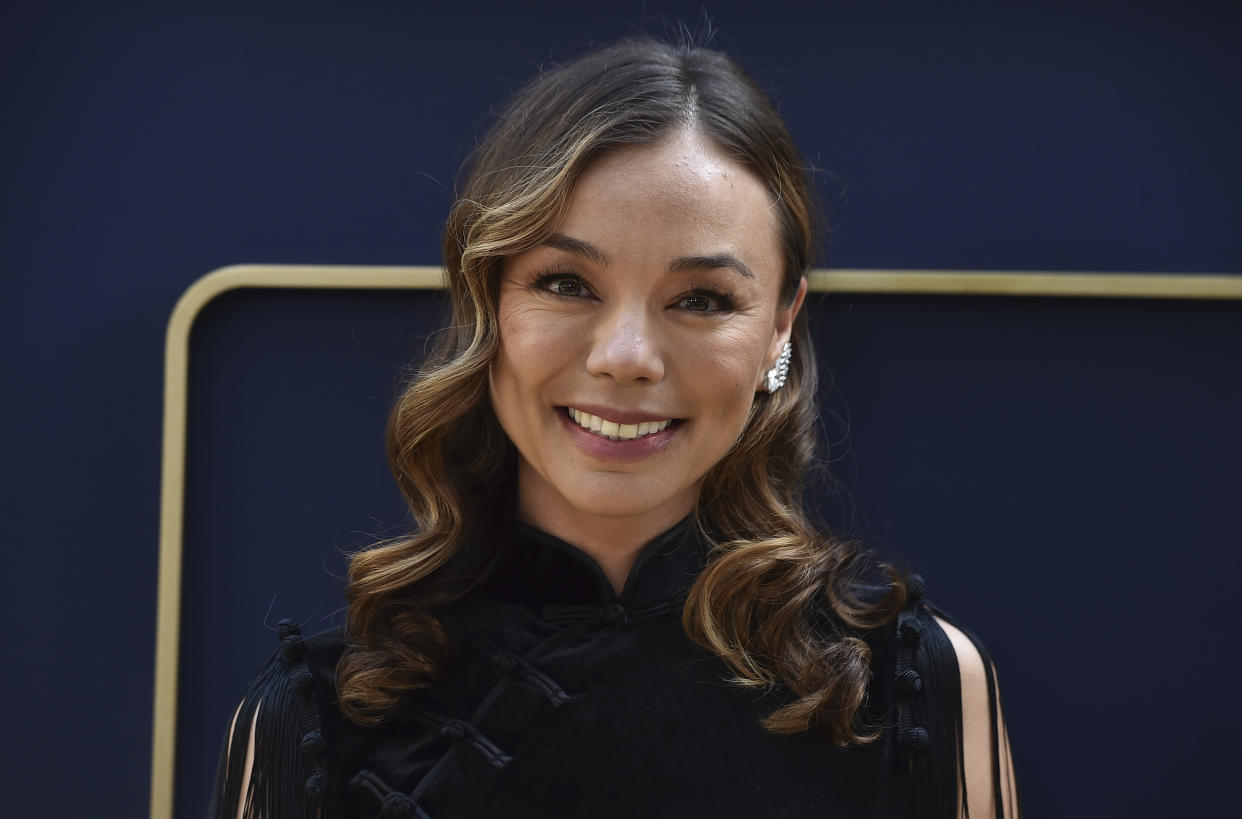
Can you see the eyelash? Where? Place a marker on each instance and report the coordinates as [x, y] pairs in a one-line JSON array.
[[544, 280], [723, 298]]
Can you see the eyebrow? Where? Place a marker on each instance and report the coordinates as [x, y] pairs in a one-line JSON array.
[[682, 264], [578, 247], [714, 261]]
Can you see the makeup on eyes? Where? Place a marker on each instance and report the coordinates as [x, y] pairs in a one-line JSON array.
[[547, 281], [714, 292], [545, 278]]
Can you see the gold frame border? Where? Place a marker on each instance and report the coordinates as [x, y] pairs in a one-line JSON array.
[[358, 277]]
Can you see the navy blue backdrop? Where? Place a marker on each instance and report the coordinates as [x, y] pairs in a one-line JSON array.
[[146, 144]]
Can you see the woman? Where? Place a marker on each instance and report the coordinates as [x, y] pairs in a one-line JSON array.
[[613, 603]]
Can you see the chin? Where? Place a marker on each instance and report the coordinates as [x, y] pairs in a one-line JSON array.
[[618, 495], [617, 504]]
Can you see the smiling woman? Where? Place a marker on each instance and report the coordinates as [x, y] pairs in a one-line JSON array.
[[600, 333], [613, 432]]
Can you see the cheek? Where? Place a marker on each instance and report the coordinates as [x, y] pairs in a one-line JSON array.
[[533, 349], [527, 330], [735, 359], [724, 375], [518, 333]]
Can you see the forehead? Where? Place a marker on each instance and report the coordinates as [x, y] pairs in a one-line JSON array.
[[681, 194]]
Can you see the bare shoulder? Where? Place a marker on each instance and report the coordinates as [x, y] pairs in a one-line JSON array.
[[989, 778]]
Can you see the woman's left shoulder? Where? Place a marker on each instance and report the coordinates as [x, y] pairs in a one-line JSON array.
[[949, 710]]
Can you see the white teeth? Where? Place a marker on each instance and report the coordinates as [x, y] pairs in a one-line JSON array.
[[614, 430]]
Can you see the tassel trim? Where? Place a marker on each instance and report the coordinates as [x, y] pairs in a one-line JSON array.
[[280, 714]]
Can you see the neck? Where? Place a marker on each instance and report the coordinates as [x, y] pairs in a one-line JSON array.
[[613, 542]]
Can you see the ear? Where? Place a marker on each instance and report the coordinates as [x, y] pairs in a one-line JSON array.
[[782, 331]]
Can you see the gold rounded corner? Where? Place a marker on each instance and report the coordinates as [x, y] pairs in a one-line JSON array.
[[189, 306]]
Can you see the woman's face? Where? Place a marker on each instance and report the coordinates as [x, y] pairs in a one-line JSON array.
[[633, 340]]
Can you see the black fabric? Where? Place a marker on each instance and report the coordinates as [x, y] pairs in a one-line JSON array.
[[567, 700]]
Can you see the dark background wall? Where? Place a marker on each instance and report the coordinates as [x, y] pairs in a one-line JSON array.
[[147, 144]]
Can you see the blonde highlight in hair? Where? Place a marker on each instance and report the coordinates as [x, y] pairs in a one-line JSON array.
[[776, 600]]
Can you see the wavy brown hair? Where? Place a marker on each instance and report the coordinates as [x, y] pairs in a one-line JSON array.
[[776, 599]]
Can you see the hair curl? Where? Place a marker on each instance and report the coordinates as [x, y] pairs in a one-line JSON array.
[[776, 600]]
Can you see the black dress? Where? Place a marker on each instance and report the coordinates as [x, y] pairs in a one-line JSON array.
[[567, 700]]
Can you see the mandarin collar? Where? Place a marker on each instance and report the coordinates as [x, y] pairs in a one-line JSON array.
[[539, 569]]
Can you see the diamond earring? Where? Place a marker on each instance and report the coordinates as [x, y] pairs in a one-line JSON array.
[[780, 370]]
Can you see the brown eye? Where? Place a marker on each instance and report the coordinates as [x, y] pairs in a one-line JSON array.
[[706, 301], [566, 287]]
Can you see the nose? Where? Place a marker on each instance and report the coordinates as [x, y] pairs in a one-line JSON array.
[[625, 346]]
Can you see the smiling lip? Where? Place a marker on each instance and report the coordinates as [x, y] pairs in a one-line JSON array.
[[614, 430], [619, 416], [614, 447]]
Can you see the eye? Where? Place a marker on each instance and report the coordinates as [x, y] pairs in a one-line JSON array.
[[565, 287], [706, 300], [560, 283]]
